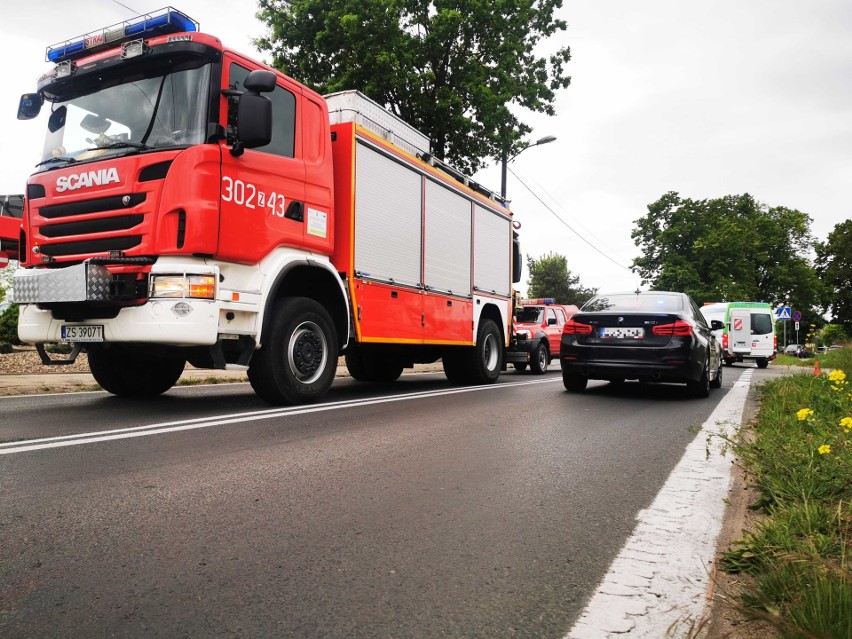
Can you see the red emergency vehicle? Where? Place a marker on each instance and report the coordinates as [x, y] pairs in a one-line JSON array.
[[11, 210], [192, 204], [538, 333]]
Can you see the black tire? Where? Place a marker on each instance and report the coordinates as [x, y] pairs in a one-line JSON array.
[[485, 360], [298, 359], [520, 366], [454, 366], [540, 359], [135, 371], [574, 383], [479, 364], [717, 383], [365, 367], [700, 388], [386, 370], [762, 362], [355, 365]]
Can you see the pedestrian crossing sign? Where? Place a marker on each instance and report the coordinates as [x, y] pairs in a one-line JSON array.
[[784, 313]]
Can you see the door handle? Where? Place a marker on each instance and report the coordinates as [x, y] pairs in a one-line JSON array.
[[295, 211]]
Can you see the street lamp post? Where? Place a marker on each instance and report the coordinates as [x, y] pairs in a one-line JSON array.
[[505, 159]]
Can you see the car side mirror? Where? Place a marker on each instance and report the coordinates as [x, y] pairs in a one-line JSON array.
[[716, 325], [551, 321]]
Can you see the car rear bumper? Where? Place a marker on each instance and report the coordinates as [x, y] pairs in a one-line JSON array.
[[643, 371]]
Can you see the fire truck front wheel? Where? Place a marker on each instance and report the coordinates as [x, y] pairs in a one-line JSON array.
[[135, 371], [298, 359]]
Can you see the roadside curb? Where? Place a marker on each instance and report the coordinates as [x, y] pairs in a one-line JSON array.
[[39, 384]]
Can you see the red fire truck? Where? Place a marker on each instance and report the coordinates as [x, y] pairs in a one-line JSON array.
[[193, 205]]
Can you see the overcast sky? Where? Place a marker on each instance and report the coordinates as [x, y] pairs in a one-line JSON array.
[[703, 98]]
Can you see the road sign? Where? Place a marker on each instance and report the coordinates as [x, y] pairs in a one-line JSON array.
[[797, 326], [797, 316], [784, 313]]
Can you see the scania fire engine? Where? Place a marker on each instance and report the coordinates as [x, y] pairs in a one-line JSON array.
[[193, 205]]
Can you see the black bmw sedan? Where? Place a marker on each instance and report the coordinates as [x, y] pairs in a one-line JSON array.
[[652, 336]]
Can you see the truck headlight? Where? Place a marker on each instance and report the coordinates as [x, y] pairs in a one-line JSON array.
[[184, 286], [523, 334]]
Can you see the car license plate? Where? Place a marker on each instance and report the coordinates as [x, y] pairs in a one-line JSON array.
[[82, 333], [616, 332]]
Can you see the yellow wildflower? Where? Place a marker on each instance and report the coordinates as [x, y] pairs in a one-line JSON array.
[[846, 423], [836, 376], [824, 449], [804, 413]]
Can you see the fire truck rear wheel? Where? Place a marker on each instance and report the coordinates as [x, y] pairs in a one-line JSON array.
[[540, 359], [486, 359], [520, 366], [298, 359], [135, 371]]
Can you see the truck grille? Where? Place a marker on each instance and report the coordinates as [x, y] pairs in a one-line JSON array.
[[64, 235]]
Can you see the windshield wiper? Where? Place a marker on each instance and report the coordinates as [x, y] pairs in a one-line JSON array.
[[122, 145], [60, 158]]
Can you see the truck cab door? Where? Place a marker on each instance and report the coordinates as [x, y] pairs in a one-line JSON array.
[[262, 189]]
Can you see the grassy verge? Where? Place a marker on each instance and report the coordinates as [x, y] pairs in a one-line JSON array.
[[800, 461], [831, 359]]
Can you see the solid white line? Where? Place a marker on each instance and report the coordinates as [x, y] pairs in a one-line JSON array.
[[44, 443], [657, 585]]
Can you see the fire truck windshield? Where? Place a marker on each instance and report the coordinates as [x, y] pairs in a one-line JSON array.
[[126, 115]]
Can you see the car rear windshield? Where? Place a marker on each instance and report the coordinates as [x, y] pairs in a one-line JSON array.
[[626, 302]]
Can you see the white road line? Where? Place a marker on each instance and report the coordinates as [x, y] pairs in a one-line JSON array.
[[24, 446], [657, 585]]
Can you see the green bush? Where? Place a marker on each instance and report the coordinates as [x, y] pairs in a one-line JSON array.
[[9, 326]]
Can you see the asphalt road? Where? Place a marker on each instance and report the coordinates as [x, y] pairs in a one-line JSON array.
[[408, 510]]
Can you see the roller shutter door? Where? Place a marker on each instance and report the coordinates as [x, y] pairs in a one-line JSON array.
[[387, 218], [448, 218]]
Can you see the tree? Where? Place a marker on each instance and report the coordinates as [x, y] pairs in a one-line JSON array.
[[451, 68], [833, 334], [728, 249], [834, 265], [550, 277]]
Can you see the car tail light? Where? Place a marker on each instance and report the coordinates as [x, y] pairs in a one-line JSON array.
[[774, 342], [576, 328], [725, 341], [679, 328]]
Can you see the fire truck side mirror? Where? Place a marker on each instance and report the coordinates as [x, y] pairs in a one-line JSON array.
[[254, 121], [517, 261], [254, 113], [30, 106]]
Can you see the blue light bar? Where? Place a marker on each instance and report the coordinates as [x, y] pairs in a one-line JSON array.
[[161, 22]]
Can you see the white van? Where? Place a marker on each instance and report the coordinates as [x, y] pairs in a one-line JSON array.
[[749, 333]]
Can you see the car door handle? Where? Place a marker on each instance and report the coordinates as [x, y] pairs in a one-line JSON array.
[[295, 211]]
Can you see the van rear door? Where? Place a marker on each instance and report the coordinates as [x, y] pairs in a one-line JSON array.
[[762, 333], [739, 331]]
